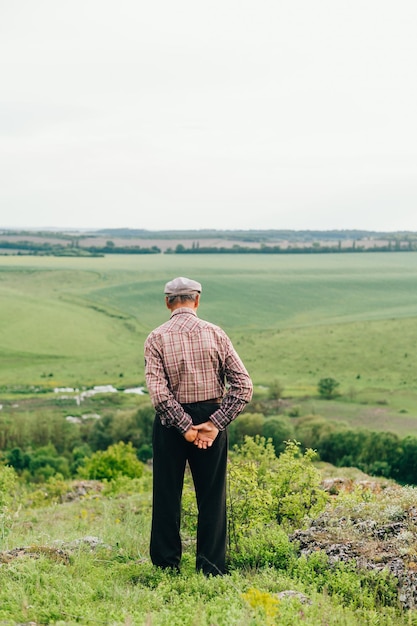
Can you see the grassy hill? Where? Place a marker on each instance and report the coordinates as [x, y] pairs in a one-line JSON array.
[[295, 318]]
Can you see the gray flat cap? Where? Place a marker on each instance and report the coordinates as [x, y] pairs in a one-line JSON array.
[[182, 286]]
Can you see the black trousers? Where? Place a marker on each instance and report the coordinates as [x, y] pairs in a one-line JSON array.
[[208, 468]]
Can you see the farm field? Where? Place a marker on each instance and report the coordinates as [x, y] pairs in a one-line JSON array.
[[293, 318]]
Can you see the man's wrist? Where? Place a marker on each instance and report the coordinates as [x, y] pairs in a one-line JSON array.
[[184, 428], [215, 421]]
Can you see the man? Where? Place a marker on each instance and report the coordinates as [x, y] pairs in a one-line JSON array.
[[188, 362]]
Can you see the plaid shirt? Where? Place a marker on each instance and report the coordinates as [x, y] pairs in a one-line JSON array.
[[189, 360]]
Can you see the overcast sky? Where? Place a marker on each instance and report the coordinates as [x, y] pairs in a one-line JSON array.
[[159, 114]]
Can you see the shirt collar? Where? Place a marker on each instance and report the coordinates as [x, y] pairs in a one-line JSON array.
[[183, 309]]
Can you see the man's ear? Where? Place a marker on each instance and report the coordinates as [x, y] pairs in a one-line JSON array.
[[197, 301], [167, 303]]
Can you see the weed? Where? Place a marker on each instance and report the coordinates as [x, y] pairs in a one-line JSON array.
[[267, 603]]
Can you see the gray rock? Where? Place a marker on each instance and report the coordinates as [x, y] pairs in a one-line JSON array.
[[290, 593]]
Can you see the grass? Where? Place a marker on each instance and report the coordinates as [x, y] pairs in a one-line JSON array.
[[376, 414], [61, 578], [60, 308]]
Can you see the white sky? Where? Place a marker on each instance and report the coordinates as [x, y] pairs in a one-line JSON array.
[[164, 114]]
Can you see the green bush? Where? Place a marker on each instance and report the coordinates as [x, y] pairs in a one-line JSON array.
[[16, 458], [38, 465], [145, 452], [118, 460], [265, 491], [297, 489], [44, 462], [250, 497], [80, 454], [265, 546]]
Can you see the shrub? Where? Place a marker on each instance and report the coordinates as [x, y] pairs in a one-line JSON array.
[[297, 489], [39, 464], [250, 497], [294, 411], [145, 452], [52, 491], [45, 462], [118, 460], [265, 546], [16, 459], [80, 455], [265, 490]]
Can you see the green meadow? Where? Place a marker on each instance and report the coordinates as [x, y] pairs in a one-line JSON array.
[[293, 318]]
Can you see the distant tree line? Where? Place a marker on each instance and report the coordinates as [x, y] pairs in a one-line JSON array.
[[73, 249], [111, 248], [266, 242], [316, 248], [254, 235]]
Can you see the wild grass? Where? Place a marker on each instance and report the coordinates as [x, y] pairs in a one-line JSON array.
[[62, 577]]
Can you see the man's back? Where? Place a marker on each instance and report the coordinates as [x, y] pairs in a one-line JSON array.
[[195, 354]]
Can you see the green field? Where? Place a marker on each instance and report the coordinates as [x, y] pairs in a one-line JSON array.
[[295, 318]]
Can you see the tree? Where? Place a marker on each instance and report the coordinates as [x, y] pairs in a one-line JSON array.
[[407, 463], [279, 430], [327, 387], [16, 458], [342, 447]]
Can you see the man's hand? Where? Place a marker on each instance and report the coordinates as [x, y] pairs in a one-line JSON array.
[[191, 434], [206, 434]]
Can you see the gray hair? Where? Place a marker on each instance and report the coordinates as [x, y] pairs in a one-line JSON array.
[[185, 297]]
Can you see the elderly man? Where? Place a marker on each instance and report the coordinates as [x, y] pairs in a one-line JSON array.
[[188, 363]]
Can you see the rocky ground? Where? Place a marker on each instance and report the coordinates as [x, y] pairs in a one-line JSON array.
[[371, 523]]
